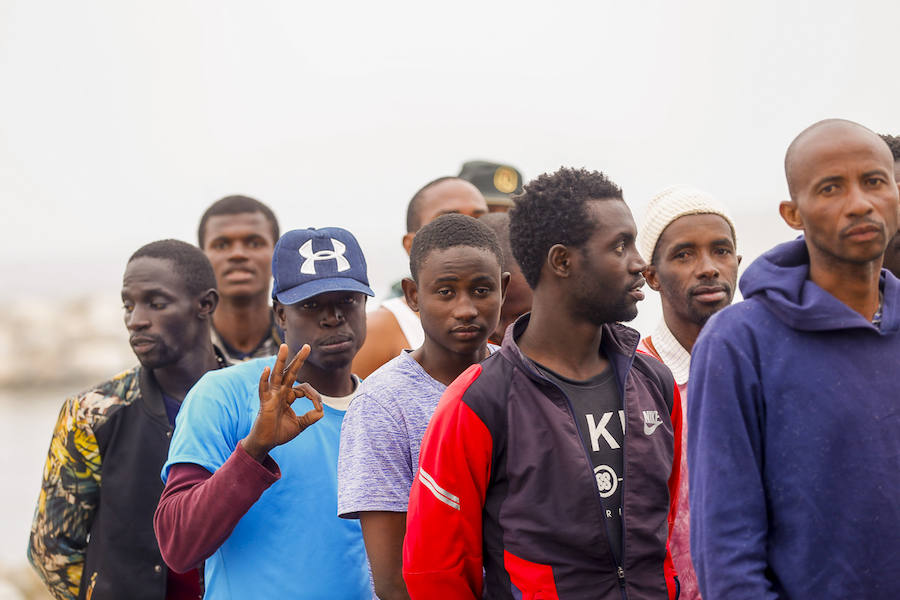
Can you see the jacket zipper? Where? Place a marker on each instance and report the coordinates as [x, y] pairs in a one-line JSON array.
[[620, 572]]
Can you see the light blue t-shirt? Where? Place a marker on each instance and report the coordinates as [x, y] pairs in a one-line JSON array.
[[290, 544], [382, 435]]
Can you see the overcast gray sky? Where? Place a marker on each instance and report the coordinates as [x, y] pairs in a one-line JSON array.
[[121, 121]]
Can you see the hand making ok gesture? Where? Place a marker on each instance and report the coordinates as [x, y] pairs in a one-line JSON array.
[[277, 423]]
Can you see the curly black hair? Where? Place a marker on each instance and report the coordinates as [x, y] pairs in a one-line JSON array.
[[449, 231], [893, 142], [189, 262], [236, 205], [552, 210]]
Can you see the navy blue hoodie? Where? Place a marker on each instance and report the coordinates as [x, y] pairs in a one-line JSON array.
[[794, 441]]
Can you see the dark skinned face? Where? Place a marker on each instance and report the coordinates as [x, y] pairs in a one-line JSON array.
[[458, 296], [607, 278], [332, 323], [695, 268], [516, 303], [892, 254], [845, 196], [161, 316], [240, 249]]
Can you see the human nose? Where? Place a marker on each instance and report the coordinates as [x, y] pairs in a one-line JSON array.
[[858, 202], [637, 263], [332, 316], [707, 268], [464, 309], [136, 319]]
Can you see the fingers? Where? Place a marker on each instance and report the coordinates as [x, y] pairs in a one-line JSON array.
[[278, 369], [289, 374], [264, 383], [318, 411]]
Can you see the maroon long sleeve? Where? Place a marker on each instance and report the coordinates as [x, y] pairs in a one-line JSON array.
[[198, 509]]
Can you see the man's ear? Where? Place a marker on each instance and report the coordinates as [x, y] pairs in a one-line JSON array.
[[652, 277], [559, 259], [504, 283], [407, 242], [791, 215], [207, 303], [740, 258], [410, 293], [278, 309]]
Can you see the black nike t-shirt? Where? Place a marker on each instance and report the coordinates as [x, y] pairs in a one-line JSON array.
[[597, 407]]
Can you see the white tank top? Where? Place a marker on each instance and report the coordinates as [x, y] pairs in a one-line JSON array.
[[409, 321]]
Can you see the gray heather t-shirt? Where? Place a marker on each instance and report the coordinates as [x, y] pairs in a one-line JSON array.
[[381, 435], [601, 422]]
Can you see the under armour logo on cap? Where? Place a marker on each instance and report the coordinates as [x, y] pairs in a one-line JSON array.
[[308, 262], [336, 253]]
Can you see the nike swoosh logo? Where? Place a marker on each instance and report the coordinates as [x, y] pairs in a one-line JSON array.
[[648, 430]]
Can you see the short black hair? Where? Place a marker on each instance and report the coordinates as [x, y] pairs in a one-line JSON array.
[[893, 142], [499, 224], [552, 210], [236, 205], [414, 208], [189, 262], [449, 231]]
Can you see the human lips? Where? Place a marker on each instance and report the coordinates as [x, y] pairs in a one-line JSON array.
[[862, 232], [710, 294], [336, 343], [142, 343], [467, 332], [635, 290], [239, 273]]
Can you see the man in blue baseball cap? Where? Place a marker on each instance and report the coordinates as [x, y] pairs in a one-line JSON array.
[[245, 491]]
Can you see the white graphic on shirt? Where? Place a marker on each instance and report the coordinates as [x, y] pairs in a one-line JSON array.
[[597, 430], [309, 265], [651, 421], [607, 480]]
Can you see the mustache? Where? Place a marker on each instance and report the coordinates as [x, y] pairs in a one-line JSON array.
[[864, 222], [724, 285]]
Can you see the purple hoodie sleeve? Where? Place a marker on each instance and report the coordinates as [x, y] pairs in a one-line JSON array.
[[198, 510], [729, 523]]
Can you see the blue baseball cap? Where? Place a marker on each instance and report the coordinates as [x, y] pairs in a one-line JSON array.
[[308, 262]]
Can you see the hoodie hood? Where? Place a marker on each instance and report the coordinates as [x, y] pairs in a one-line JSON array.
[[780, 280]]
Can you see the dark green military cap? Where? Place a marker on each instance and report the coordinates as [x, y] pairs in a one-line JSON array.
[[496, 181]]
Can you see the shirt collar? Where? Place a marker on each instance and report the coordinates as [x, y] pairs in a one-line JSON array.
[[671, 352]]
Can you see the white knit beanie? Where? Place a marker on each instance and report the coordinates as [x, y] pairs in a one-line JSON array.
[[669, 204]]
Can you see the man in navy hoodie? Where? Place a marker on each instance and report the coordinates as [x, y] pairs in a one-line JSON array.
[[794, 418]]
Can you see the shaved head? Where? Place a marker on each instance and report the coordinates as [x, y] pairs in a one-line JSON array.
[[813, 135]]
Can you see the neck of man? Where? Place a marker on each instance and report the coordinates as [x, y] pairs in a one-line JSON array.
[[686, 332], [854, 284], [442, 364], [176, 379], [336, 383], [243, 322], [559, 340]]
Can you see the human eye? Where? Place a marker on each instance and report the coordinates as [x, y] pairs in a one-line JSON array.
[[310, 305], [875, 181], [219, 244], [158, 304], [349, 299], [828, 189], [723, 251], [127, 306], [444, 292], [619, 248], [254, 243]]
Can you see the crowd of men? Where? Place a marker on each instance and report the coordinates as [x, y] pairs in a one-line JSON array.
[[496, 430]]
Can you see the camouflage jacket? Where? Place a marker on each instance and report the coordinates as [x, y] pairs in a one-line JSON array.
[[113, 438]]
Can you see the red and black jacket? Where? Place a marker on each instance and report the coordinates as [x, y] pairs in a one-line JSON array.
[[505, 484]]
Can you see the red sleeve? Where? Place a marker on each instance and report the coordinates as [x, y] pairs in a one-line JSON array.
[[674, 478], [198, 509], [442, 551]]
